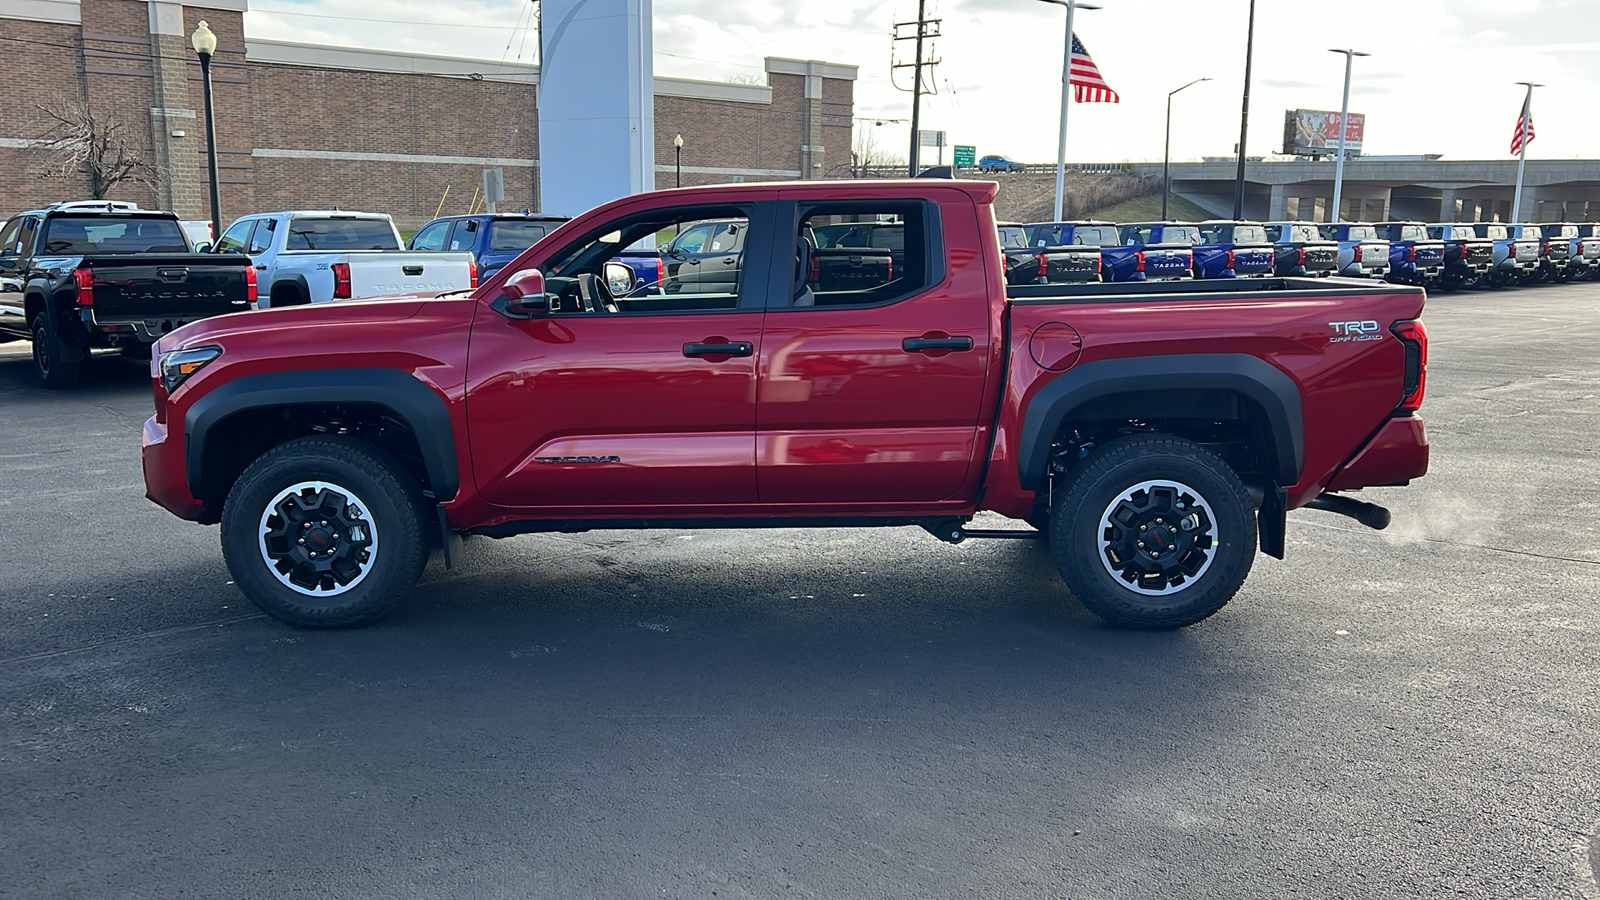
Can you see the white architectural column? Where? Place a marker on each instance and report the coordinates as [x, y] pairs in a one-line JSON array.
[[596, 103]]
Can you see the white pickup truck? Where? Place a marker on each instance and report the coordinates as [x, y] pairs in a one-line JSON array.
[[317, 256]]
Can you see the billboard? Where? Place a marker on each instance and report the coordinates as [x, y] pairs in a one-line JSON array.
[[1313, 132]]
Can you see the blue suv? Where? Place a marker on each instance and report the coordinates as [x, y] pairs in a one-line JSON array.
[[494, 239], [994, 162]]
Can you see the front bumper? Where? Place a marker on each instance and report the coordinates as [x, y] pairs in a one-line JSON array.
[[166, 477]]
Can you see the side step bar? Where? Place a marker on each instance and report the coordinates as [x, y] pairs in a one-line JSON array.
[[954, 531]]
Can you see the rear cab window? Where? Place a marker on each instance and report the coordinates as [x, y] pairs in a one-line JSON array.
[[74, 235], [1095, 235], [517, 234], [1361, 233], [862, 253], [341, 233]]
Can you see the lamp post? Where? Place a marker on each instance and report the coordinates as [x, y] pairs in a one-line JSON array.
[[1244, 114], [677, 165], [1066, 85], [1344, 127], [205, 44], [1166, 155]]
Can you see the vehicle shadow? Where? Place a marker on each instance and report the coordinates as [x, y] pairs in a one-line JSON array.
[[103, 374]]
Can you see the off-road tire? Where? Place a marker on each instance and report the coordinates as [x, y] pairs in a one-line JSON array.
[[1099, 487], [57, 364], [392, 513]]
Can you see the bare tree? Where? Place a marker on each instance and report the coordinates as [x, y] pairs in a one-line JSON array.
[[866, 155], [82, 142]]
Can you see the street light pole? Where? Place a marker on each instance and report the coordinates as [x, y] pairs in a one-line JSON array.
[[1522, 154], [1344, 128], [1244, 114], [677, 166], [205, 44], [1166, 155], [1066, 86]]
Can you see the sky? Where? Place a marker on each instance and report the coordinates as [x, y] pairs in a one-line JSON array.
[[1442, 77]]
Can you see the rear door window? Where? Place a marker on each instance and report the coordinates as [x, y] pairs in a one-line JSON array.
[[516, 234], [464, 236], [10, 243], [261, 238], [877, 252]]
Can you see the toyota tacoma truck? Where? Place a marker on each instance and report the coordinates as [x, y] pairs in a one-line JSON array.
[[1046, 264], [1362, 254], [1155, 434], [1467, 257], [318, 256], [107, 275], [1300, 250], [1232, 249], [1151, 251], [493, 239], [1516, 252], [1414, 257]]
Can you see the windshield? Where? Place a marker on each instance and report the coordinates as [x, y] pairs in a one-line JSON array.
[[1361, 233], [340, 233], [113, 234], [516, 234], [1013, 236]]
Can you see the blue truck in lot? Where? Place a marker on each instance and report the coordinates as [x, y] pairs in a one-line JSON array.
[[1152, 251], [1300, 250], [1563, 238], [1516, 252], [494, 239], [1229, 249], [1414, 258]]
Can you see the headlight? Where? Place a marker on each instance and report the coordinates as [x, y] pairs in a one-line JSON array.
[[178, 365]]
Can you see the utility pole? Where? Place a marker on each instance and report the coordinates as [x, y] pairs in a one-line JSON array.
[[1244, 115], [926, 28]]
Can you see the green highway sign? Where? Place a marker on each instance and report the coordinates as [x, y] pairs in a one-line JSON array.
[[965, 155]]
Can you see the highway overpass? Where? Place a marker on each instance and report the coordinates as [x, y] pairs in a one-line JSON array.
[[1388, 189]]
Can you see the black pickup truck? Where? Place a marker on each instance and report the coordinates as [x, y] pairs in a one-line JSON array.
[[1059, 263], [108, 275]]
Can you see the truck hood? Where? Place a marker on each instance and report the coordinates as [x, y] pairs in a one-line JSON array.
[[343, 312]]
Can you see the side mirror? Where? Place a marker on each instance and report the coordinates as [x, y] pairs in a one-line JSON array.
[[523, 297], [202, 247], [9, 262], [619, 278]]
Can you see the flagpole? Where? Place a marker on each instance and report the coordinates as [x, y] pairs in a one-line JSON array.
[[1522, 154], [1066, 87]]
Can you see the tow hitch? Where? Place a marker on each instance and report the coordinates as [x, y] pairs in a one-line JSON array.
[[1369, 514]]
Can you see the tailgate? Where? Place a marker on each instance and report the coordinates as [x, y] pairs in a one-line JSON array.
[[1167, 262], [1250, 260], [146, 287], [1321, 256], [380, 272], [1430, 254], [1478, 253], [1077, 264]]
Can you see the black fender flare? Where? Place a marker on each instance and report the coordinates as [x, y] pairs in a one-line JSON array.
[[300, 284], [1265, 385], [414, 402]]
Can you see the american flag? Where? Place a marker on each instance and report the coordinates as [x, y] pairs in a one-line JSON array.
[[1091, 88], [1524, 123]]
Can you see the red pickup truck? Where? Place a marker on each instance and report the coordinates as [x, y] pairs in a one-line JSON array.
[[1155, 433]]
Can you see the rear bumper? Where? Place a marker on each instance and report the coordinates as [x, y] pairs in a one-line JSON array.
[[166, 479], [1395, 455]]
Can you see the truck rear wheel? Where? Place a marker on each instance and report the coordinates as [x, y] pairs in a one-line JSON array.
[[58, 365], [1153, 531], [325, 532]]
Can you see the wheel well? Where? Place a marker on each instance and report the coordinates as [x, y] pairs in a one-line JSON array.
[[287, 291], [32, 306], [237, 441], [1227, 423]]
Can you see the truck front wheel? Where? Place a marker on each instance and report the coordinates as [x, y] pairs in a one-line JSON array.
[[325, 532], [1153, 531]]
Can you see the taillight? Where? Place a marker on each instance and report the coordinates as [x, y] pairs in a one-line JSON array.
[[890, 264], [1044, 265], [1411, 253], [815, 275], [85, 281], [1138, 260], [252, 291], [1301, 257], [1414, 338], [1544, 248], [341, 281], [1230, 259], [1358, 253], [472, 274]]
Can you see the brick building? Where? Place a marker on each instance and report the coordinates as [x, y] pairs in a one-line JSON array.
[[306, 126]]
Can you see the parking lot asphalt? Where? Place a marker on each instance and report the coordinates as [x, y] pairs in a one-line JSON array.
[[825, 714]]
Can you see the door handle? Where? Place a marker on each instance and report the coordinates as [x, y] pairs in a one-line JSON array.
[[411, 270], [732, 348], [261, 268], [925, 344]]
